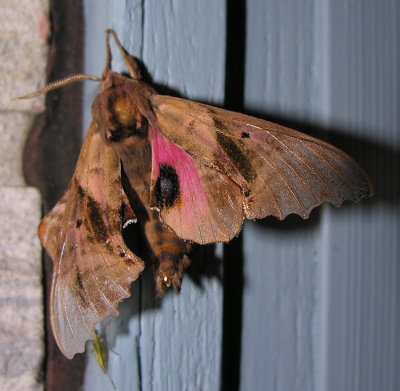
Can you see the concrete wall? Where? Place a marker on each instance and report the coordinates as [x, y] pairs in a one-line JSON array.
[[23, 53]]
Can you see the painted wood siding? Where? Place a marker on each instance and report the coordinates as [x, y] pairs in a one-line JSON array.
[[329, 287], [320, 299], [174, 343]]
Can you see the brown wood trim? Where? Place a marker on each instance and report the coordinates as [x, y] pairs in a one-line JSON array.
[[50, 155]]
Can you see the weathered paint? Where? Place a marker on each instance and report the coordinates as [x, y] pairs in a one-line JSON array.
[[321, 308]]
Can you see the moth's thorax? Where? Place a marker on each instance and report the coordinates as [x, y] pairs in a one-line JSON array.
[[135, 155], [122, 108]]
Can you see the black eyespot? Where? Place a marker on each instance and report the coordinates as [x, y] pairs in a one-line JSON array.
[[245, 135], [167, 186], [78, 223]]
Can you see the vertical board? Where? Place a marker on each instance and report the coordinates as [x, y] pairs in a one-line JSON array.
[[321, 307], [181, 340], [282, 259], [173, 343], [362, 244]]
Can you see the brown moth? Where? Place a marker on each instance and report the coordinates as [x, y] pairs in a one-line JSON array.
[[186, 172]]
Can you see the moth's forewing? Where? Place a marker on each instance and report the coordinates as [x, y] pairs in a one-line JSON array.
[[279, 170], [93, 268]]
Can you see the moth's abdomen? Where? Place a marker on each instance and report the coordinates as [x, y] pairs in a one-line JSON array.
[[170, 254], [167, 250]]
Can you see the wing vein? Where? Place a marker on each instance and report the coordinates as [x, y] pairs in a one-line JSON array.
[[293, 169], [299, 158], [332, 167], [285, 182]]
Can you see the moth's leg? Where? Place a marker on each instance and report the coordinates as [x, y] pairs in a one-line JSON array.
[[170, 254]]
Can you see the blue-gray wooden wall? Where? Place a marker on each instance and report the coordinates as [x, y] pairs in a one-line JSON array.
[[321, 297]]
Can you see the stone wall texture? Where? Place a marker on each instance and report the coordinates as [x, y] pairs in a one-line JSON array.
[[24, 28]]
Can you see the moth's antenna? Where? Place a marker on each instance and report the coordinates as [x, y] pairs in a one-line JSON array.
[[130, 61], [108, 49], [58, 84]]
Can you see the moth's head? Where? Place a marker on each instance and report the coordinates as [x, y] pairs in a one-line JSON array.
[[118, 109]]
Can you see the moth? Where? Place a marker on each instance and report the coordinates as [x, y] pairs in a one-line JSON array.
[[186, 172]]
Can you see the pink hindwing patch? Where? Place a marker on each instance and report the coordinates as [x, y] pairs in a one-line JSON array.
[[198, 214]]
